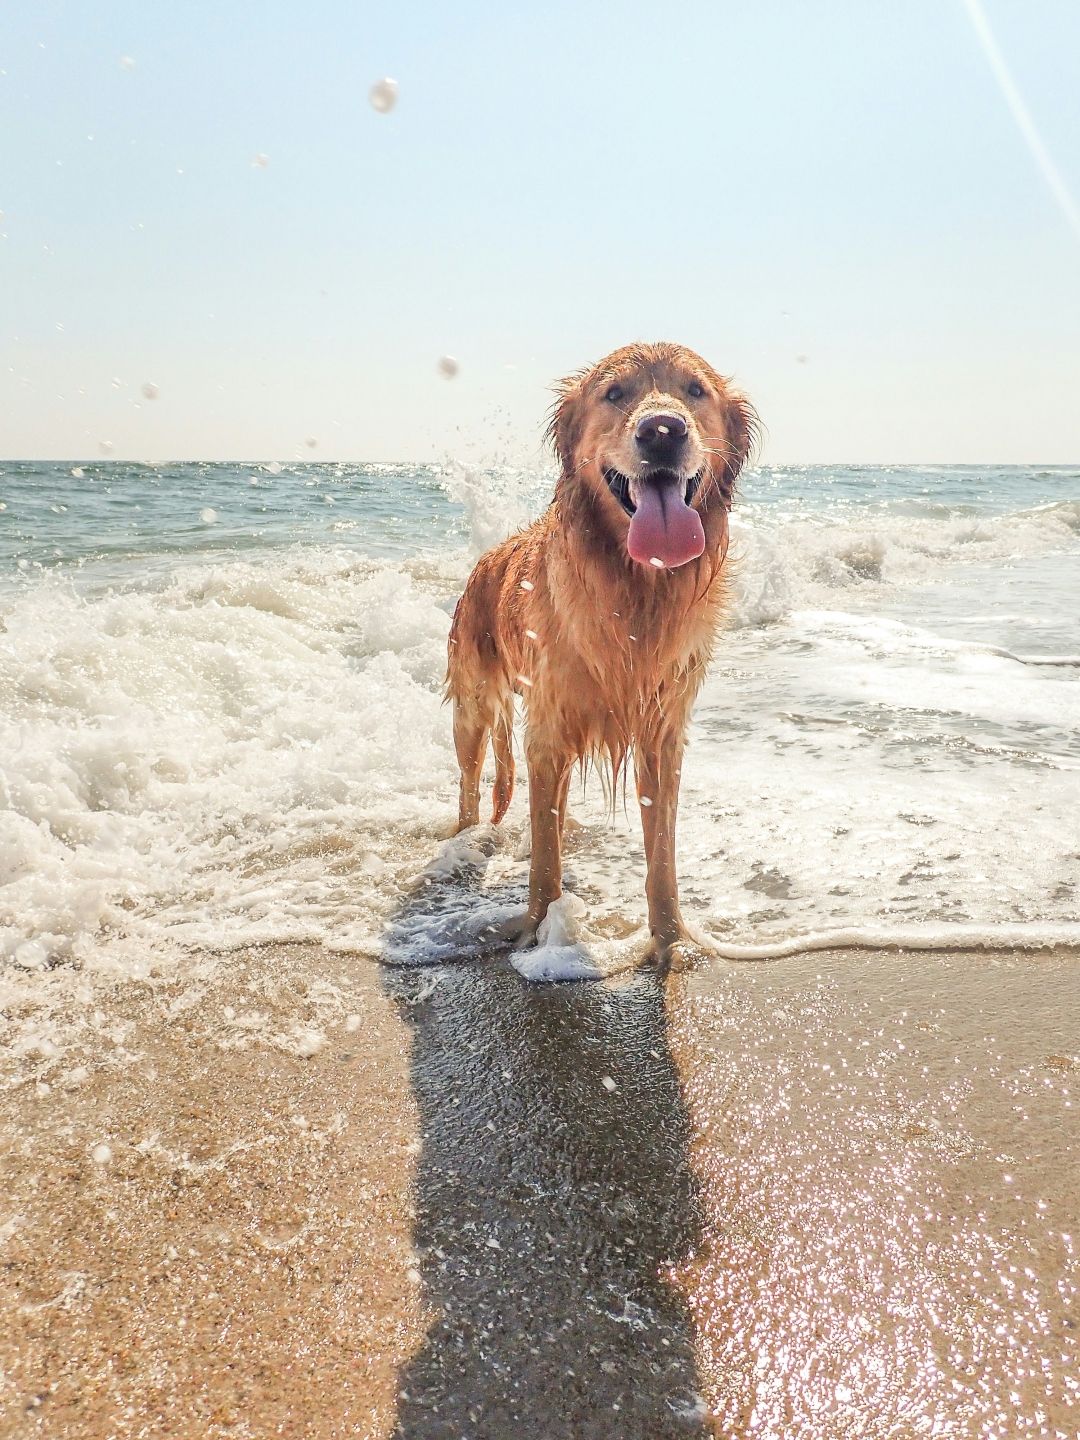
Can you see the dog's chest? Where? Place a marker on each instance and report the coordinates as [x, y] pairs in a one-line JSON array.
[[624, 660]]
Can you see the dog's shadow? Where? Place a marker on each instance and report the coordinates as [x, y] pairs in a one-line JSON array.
[[552, 1191]]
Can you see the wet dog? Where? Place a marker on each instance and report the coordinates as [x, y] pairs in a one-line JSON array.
[[603, 613]]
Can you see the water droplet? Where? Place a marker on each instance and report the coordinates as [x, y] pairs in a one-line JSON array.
[[644, 800], [260, 161], [208, 516], [126, 62], [383, 95], [448, 367], [101, 1154], [105, 446], [527, 585], [274, 467], [150, 390], [654, 561]]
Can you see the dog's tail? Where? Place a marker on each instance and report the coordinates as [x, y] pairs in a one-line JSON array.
[[502, 742]]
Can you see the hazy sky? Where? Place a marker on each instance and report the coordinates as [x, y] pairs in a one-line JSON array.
[[831, 200]]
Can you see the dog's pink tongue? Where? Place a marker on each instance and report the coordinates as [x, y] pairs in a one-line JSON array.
[[664, 530]]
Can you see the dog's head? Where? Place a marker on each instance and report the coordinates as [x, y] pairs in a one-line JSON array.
[[658, 438]]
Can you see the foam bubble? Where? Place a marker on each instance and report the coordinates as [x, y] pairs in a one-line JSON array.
[[308, 1043], [564, 948]]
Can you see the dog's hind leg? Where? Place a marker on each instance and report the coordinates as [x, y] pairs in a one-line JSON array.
[[471, 731], [502, 737], [567, 824]]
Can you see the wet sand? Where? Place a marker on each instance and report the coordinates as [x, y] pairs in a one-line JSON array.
[[823, 1197]]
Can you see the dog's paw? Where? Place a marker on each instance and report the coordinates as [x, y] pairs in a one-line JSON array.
[[517, 931], [683, 950]]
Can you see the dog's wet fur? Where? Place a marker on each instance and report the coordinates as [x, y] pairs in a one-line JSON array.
[[607, 651]]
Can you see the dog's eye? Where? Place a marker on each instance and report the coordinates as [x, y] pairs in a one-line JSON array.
[[614, 394], [695, 390]]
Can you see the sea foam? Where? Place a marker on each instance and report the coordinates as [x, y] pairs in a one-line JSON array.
[[254, 748]]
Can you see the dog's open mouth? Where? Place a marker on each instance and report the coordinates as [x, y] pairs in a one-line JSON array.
[[619, 485], [665, 531]]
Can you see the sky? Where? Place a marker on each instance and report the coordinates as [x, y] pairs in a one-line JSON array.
[[832, 202]]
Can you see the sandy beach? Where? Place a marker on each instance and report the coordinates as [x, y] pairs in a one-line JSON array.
[[831, 1196]]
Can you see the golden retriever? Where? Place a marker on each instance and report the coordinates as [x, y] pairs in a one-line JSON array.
[[602, 614]]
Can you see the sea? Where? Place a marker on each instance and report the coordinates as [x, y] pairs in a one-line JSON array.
[[222, 721]]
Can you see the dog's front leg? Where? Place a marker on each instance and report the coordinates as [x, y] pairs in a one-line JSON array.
[[549, 779], [658, 763]]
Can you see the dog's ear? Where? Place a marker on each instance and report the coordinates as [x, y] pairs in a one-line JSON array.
[[564, 420], [744, 429]]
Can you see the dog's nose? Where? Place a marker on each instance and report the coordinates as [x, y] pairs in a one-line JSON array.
[[660, 435]]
